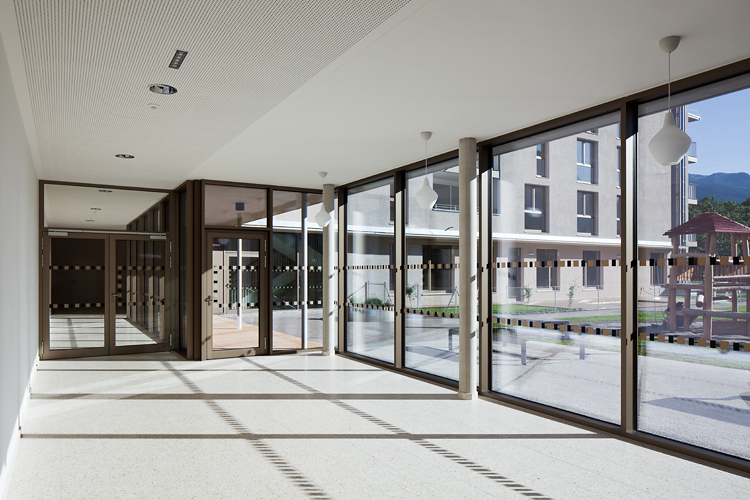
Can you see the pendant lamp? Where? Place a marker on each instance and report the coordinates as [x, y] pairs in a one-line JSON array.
[[670, 144], [426, 196], [323, 218]]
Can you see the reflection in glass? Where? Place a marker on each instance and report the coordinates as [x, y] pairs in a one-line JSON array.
[[231, 206], [370, 283], [542, 226], [236, 293], [77, 293], [432, 274], [694, 384], [140, 301]]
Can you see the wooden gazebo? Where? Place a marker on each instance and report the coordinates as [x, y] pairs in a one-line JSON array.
[[710, 224]]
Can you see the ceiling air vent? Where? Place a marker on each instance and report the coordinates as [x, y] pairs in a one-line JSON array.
[[179, 56]]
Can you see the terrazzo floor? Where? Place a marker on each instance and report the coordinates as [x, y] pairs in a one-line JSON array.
[[311, 426]]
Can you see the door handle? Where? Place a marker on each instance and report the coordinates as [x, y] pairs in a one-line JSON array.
[[209, 299]]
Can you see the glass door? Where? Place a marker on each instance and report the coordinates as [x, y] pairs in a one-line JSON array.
[[236, 301], [139, 283], [105, 294], [75, 286]]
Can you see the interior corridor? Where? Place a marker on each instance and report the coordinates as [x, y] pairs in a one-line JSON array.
[[309, 426]]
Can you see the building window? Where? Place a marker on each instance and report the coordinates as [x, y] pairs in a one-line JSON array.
[[591, 272], [496, 163], [657, 272], [586, 162], [619, 211], [541, 160], [445, 185], [534, 208], [617, 130], [586, 213], [619, 175], [546, 277], [495, 196]]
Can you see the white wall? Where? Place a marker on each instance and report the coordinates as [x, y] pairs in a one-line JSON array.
[[19, 267]]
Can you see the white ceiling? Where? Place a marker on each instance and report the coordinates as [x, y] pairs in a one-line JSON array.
[[95, 208], [274, 91]]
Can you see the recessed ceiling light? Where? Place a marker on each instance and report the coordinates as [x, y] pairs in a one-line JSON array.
[[127, 157], [161, 88], [179, 56], [105, 190], [90, 220], [95, 208], [153, 105]]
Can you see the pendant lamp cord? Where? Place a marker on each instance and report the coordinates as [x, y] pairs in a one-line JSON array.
[[669, 82], [425, 159]]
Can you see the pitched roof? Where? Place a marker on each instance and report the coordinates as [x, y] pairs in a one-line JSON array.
[[707, 223]]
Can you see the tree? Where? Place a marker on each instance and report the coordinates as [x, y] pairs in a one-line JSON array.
[[738, 212]]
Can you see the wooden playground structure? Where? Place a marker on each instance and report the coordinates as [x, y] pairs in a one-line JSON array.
[[708, 278]]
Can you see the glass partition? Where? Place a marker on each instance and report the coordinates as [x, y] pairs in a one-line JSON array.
[[232, 206], [370, 271], [431, 322], [297, 301], [694, 277], [555, 275]]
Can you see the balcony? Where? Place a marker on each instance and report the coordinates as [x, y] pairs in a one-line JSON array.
[[692, 194], [692, 154]]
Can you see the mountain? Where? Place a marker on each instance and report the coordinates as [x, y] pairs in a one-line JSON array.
[[722, 186]]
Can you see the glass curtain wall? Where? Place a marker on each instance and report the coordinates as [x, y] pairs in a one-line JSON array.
[[431, 288], [296, 269], [555, 275], [370, 272], [694, 277]]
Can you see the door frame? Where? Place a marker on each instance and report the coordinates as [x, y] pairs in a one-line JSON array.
[[264, 324], [110, 348]]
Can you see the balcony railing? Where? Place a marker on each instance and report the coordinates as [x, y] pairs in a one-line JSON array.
[[445, 207], [692, 191], [693, 150]]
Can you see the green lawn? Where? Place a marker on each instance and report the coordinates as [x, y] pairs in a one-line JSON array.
[[642, 316], [502, 309]]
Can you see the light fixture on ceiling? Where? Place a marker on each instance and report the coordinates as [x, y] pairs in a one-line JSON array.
[[153, 105], [177, 59], [323, 218], [127, 157], [426, 196], [95, 208], [90, 220], [161, 88], [670, 144], [105, 190]]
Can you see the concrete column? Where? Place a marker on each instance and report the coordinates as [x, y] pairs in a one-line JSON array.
[[302, 266], [467, 276], [329, 276]]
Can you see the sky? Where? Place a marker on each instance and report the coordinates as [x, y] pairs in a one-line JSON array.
[[722, 134]]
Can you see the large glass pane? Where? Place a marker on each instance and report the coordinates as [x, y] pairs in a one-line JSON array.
[[140, 273], [370, 279], [231, 206], [556, 334], [694, 322], [431, 331], [294, 311], [236, 293], [77, 293]]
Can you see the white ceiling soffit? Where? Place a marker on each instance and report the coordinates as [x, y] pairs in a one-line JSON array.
[[89, 64], [273, 92], [95, 208]]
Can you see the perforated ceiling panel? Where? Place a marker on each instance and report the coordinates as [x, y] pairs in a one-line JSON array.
[[89, 64]]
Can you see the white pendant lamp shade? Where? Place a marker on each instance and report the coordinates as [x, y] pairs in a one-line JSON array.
[[323, 218], [670, 144], [426, 196]]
